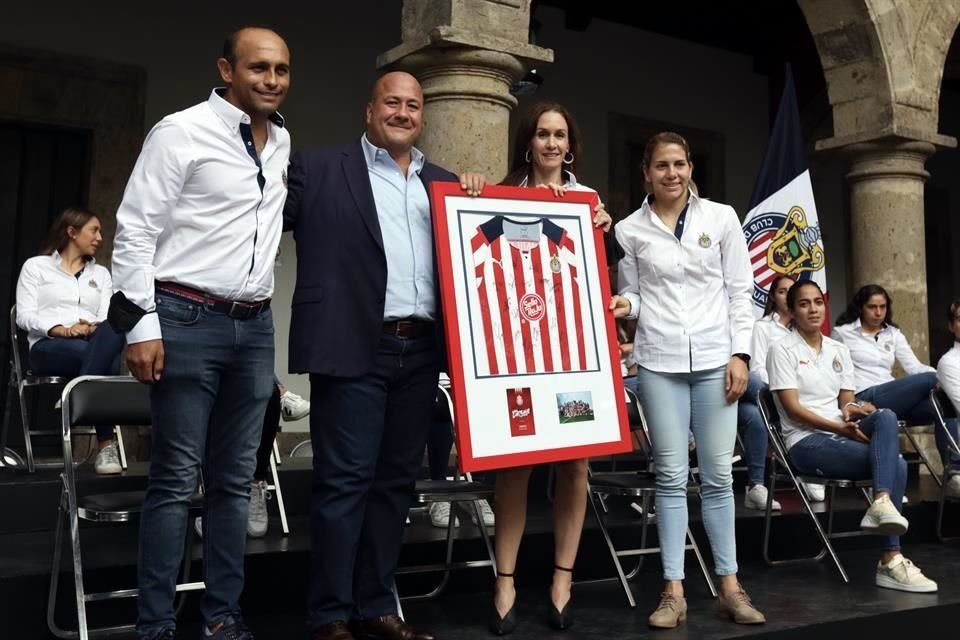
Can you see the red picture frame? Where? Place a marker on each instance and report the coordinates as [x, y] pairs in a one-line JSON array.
[[475, 382]]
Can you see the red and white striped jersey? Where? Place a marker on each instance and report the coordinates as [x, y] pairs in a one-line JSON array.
[[532, 302]]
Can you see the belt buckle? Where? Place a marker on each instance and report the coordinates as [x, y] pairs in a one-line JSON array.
[[239, 311]]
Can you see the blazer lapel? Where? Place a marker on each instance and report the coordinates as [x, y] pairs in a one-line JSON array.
[[358, 181]]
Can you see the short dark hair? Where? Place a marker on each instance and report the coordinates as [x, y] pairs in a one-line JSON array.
[[795, 291], [230, 42], [59, 237], [952, 311], [520, 168], [854, 310]]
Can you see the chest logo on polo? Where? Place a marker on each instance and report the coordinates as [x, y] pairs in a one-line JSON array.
[[705, 241], [93, 284], [886, 347], [837, 365]]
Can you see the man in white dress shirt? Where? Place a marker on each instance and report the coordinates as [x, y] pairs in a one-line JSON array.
[[197, 233]]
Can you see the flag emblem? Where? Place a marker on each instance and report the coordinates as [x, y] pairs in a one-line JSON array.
[[795, 247]]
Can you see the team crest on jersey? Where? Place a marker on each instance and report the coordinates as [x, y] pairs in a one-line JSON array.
[[705, 240], [555, 264], [837, 365], [532, 307]]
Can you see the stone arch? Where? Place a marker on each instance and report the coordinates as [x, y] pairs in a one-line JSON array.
[[853, 61], [883, 63]]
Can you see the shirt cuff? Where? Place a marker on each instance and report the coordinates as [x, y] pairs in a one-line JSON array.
[[148, 328], [634, 300], [742, 345]]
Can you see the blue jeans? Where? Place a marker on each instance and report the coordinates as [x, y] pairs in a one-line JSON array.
[[98, 355], [208, 410], [368, 443], [908, 397], [950, 459], [675, 403], [754, 431], [831, 456]]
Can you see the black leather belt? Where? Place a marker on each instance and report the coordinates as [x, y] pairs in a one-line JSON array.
[[408, 328], [232, 308]]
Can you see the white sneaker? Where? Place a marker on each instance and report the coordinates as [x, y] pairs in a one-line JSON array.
[[440, 515], [293, 407], [883, 519], [257, 519], [108, 460], [903, 575], [756, 498], [953, 487], [815, 492], [485, 512]]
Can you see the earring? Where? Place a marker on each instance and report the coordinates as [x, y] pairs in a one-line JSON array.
[[565, 160], [526, 156]]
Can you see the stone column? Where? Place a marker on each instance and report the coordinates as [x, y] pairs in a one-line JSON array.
[[466, 54], [887, 228]]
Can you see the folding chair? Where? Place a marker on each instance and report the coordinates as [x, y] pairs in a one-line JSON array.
[[96, 400], [24, 383], [779, 460], [944, 411], [463, 491], [635, 484]]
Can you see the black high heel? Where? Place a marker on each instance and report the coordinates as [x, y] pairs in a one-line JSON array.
[[505, 625], [560, 620]]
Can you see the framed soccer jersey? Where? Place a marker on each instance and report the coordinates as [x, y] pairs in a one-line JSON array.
[[534, 358]]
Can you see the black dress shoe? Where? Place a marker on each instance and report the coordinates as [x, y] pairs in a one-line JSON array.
[[560, 620], [333, 631], [389, 627], [505, 625]]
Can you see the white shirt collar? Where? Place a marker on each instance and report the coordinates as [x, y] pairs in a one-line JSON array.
[[57, 259], [232, 115], [694, 199], [570, 181]]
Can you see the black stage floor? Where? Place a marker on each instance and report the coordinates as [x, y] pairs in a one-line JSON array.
[[801, 601]]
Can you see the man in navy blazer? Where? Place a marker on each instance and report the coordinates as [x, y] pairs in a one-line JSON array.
[[365, 326]]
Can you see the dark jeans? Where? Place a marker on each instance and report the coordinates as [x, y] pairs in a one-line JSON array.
[[271, 425], [98, 355], [908, 397], [831, 456], [368, 442], [208, 411], [754, 431]]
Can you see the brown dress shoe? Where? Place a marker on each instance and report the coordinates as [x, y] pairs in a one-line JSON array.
[[333, 631], [387, 628]]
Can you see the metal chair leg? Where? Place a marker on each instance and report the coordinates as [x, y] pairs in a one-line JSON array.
[[613, 551], [25, 421], [485, 536], [703, 565], [55, 571], [276, 489], [123, 450]]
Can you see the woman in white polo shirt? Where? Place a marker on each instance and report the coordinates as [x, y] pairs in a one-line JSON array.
[[686, 278], [828, 433], [866, 328], [948, 375], [62, 301]]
